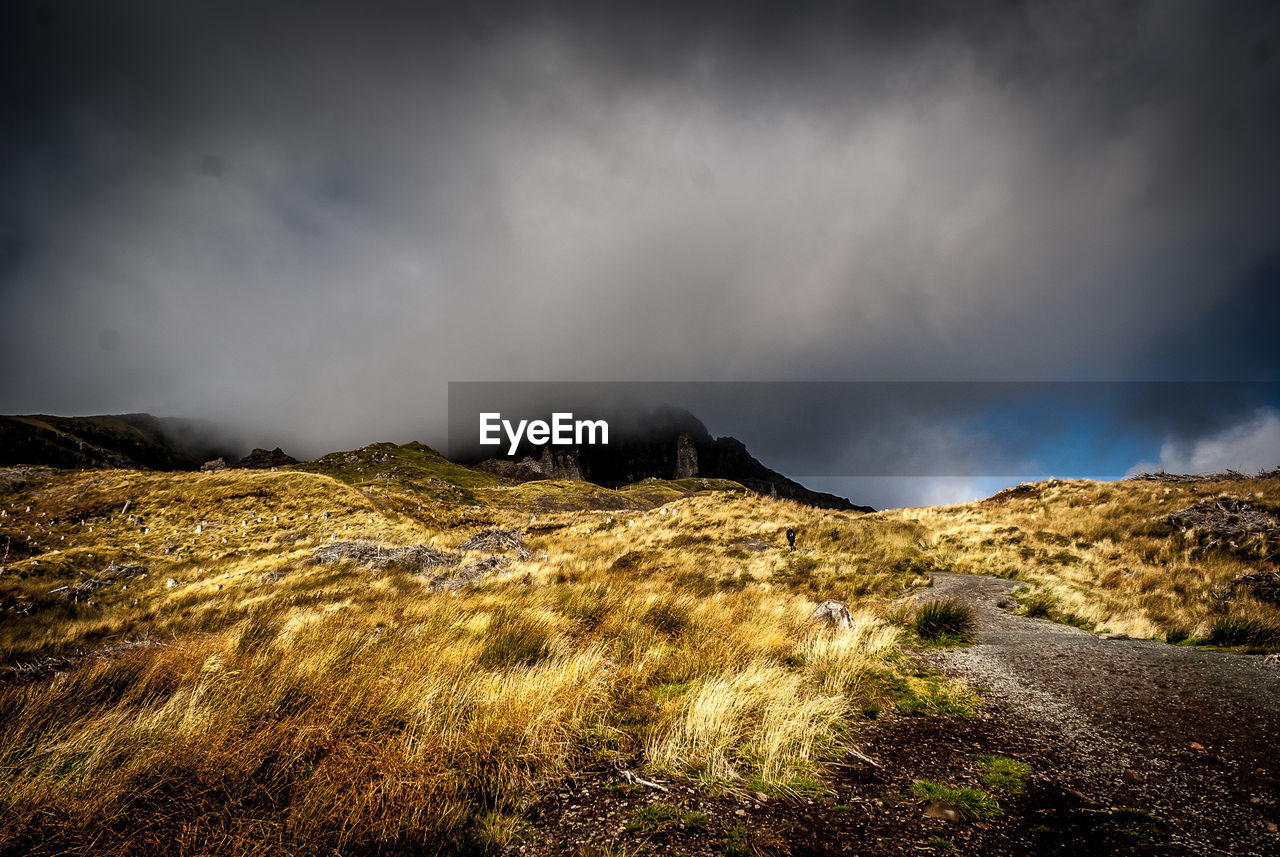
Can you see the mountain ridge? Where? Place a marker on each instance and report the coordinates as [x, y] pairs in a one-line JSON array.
[[665, 444], [126, 441]]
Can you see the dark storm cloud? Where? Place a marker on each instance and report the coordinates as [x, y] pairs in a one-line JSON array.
[[305, 219]]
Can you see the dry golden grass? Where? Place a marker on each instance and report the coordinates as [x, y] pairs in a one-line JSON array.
[[293, 707], [264, 704], [1099, 554]]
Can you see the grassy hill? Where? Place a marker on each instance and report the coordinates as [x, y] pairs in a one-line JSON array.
[[181, 675], [1105, 555], [384, 652]]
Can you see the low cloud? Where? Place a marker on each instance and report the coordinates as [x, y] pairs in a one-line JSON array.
[[303, 221], [1249, 447], [897, 492]]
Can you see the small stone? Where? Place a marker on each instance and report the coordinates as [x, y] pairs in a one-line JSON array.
[[1272, 828], [834, 612], [1196, 746], [761, 796], [739, 812], [1132, 776], [170, 583], [941, 809]]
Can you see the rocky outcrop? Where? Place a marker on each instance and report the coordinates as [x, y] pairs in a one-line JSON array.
[[552, 464], [525, 470], [835, 613], [560, 464], [263, 459], [686, 457], [667, 443]]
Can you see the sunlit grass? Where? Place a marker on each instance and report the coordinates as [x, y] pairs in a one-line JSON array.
[[289, 705], [1100, 555]]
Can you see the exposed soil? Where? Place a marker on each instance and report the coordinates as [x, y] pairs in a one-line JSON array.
[[1136, 748]]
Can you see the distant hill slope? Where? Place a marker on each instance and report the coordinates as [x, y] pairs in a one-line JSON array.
[[121, 440], [668, 445], [405, 476], [1179, 557], [412, 468]]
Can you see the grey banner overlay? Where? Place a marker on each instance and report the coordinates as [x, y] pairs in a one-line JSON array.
[[891, 429]]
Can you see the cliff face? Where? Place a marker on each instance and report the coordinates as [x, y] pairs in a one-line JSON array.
[[728, 458], [666, 444]]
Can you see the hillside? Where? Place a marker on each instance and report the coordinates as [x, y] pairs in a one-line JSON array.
[[196, 599], [382, 652], [123, 440], [1119, 557]]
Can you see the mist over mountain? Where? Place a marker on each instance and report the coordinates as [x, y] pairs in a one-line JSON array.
[[307, 219], [663, 444], [126, 441]]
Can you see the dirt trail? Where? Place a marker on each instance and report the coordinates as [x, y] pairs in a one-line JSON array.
[[1189, 736], [1110, 729]]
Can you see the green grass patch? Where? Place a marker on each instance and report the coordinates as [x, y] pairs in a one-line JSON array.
[[970, 803], [1003, 774], [930, 694], [801, 784], [660, 817], [742, 842]]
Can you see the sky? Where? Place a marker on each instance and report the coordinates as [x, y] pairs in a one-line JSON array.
[[302, 220]]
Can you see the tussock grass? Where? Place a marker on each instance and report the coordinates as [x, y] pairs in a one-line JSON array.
[[348, 708], [944, 618], [1250, 626], [1102, 555]]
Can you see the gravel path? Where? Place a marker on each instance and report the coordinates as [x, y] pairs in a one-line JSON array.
[[1189, 736]]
